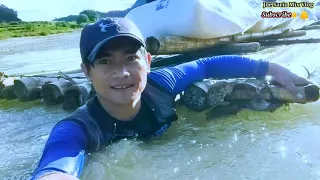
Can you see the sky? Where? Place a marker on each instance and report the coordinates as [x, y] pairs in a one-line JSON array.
[[47, 10]]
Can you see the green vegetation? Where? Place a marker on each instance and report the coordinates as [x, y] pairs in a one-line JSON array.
[[94, 15], [69, 18], [83, 18], [12, 26], [91, 14], [21, 29]]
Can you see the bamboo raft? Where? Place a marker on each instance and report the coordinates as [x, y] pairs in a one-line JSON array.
[[224, 97], [71, 89], [210, 93]]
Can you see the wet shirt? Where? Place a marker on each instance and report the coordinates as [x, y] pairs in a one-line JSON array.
[[66, 146], [142, 125]]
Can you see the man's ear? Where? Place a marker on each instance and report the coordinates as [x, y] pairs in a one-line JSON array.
[[85, 70], [149, 62]]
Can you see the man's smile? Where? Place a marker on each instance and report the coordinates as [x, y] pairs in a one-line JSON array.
[[121, 86]]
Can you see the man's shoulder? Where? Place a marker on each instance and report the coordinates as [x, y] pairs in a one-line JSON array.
[[156, 81], [80, 110], [81, 120], [75, 118]]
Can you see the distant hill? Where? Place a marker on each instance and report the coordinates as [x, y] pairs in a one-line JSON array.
[[7, 14], [121, 13], [115, 13], [68, 18], [101, 15]]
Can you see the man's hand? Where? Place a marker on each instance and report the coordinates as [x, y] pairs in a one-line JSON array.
[[287, 79]]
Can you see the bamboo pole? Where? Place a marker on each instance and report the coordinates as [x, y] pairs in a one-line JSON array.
[[225, 49], [8, 93], [235, 48], [272, 34], [76, 96], [197, 98], [53, 93], [310, 93], [24, 86], [5, 83], [180, 45], [311, 27], [288, 41]]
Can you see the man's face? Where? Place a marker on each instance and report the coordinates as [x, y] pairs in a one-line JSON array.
[[119, 73]]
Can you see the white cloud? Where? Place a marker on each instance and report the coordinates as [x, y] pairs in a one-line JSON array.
[[41, 10]]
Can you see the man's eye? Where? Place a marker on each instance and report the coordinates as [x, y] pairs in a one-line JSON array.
[[105, 61], [132, 58]]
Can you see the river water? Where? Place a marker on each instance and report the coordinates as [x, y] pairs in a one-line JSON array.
[[251, 145]]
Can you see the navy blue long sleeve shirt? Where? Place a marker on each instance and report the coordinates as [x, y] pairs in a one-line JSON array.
[[65, 149]]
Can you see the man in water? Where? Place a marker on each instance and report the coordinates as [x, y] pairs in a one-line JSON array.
[[132, 101]]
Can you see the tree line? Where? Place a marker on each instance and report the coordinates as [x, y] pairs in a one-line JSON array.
[[87, 16], [7, 14], [91, 16]]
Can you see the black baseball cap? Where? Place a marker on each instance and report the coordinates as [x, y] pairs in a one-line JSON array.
[[96, 35]]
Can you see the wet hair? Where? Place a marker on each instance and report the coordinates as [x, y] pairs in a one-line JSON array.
[[116, 44]]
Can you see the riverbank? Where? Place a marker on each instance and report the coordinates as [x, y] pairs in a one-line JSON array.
[[27, 29], [25, 55]]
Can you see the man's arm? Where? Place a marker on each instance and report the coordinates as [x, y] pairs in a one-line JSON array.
[[63, 155], [176, 79], [58, 176]]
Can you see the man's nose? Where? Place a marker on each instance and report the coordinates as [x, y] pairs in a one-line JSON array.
[[121, 72]]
